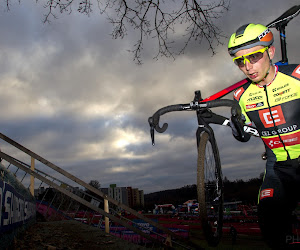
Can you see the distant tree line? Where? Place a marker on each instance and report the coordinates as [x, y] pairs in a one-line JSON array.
[[238, 190]]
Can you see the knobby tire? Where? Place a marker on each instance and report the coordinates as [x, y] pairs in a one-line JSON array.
[[210, 189]]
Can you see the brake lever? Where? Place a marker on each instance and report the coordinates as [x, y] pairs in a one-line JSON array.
[[150, 120], [152, 135]]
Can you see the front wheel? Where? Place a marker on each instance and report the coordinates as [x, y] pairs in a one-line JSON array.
[[210, 188]]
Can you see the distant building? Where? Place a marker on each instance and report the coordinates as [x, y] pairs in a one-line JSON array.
[[142, 199], [131, 197]]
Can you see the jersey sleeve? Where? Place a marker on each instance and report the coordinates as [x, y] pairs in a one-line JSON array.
[[292, 70]]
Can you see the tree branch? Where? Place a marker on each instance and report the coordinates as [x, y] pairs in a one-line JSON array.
[[169, 22]]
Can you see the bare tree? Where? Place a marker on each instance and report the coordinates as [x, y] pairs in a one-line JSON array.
[[167, 21], [96, 184]]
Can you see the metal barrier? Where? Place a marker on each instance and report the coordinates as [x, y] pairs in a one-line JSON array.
[[70, 202]]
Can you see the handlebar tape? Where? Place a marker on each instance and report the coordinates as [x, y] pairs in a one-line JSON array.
[[154, 120]]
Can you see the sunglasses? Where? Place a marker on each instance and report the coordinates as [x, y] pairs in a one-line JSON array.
[[252, 57]]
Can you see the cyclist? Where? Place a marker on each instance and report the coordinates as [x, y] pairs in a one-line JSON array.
[[270, 101]]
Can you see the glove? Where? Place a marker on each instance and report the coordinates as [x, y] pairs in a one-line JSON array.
[[233, 121], [237, 124]]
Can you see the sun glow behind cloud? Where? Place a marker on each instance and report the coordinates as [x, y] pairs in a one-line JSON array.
[[96, 110], [125, 138]]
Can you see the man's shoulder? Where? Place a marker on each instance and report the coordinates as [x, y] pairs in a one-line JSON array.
[[240, 91], [292, 70]]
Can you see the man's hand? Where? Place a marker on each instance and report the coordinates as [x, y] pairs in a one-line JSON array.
[[237, 127]]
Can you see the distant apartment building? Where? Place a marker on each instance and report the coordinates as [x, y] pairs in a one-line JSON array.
[[131, 197], [138, 197]]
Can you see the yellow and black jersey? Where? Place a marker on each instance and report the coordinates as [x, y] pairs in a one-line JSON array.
[[275, 111]]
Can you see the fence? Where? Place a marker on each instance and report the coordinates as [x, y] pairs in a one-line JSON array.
[[65, 196]]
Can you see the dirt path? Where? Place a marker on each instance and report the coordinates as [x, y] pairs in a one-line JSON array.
[[69, 235]]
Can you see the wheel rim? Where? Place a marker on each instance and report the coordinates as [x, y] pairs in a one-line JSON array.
[[210, 193]]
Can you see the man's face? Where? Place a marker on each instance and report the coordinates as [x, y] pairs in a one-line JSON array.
[[256, 71]]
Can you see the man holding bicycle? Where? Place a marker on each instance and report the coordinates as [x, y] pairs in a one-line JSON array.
[[271, 101]]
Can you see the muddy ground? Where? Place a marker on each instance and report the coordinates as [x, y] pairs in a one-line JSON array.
[[64, 235], [67, 235]]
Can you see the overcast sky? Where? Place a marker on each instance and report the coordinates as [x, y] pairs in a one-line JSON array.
[[73, 95]]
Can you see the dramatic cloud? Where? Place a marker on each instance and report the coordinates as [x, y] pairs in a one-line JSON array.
[[74, 95]]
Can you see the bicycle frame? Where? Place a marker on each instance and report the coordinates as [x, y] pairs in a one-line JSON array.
[[280, 23]]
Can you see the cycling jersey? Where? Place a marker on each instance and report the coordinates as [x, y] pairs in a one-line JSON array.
[[274, 109]]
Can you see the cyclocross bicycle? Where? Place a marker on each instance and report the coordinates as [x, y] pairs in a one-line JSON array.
[[209, 172]]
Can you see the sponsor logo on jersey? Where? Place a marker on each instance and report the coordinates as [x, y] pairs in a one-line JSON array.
[[255, 93], [268, 118], [254, 98], [266, 193], [296, 72], [237, 94], [255, 105], [280, 130], [282, 92], [279, 88], [285, 98], [288, 140], [289, 96]]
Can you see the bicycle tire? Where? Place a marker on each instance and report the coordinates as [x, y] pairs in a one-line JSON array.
[[210, 189]]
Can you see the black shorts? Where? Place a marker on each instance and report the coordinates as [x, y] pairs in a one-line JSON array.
[[281, 182]]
